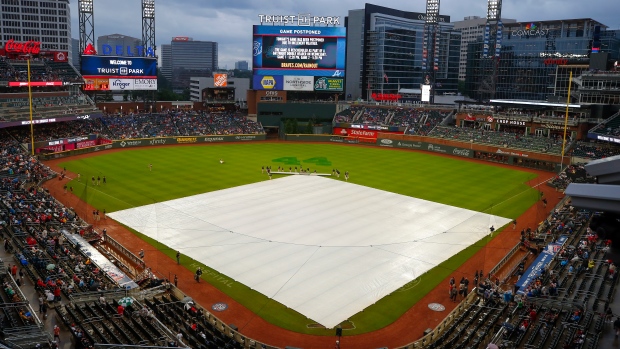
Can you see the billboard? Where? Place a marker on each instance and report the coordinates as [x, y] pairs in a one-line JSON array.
[[267, 82], [220, 80], [121, 84], [299, 51], [119, 67], [37, 83], [298, 83], [426, 93], [107, 84], [328, 84]]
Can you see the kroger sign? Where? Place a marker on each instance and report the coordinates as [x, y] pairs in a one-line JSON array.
[[118, 50]]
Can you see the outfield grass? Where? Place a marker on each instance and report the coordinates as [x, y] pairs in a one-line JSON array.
[[187, 170]]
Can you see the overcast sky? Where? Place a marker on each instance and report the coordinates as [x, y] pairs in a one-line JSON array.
[[229, 22]]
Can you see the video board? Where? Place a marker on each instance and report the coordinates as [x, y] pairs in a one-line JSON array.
[[116, 73], [119, 67], [299, 51]]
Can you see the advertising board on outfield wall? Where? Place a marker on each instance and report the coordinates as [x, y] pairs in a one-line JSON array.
[[144, 142], [435, 148]]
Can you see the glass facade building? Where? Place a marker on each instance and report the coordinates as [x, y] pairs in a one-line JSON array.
[[536, 59], [184, 58], [385, 52]]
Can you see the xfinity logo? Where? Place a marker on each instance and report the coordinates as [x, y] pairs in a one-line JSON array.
[[120, 84], [157, 141]]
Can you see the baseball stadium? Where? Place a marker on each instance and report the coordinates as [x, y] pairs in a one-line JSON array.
[[289, 214]]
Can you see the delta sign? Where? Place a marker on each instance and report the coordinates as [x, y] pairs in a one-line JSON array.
[[119, 50]]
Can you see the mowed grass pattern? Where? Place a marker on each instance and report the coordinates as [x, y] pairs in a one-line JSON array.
[[188, 170]]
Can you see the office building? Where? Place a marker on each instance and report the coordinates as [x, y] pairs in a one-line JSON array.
[[472, 29], [184, 58], [46, 21], [385, 52], [199, 84], [74, 58], [114, 40], [242, 65], [537, 58]]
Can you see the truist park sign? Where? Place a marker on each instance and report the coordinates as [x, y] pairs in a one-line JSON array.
[[301, 20]]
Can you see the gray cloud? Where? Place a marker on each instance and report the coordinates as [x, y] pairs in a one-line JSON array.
[[229, 22]]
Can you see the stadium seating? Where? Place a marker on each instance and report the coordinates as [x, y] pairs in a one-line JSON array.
[[500, 139], [52, 105], [572, 174], [40, 70], [113, 126], [610, 127], [591, 150], [417, 121], [564, 307], [178, 124]]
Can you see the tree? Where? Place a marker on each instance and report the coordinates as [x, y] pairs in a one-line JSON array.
[[309, 127], [295, 126], [288, 126], [461, 87]]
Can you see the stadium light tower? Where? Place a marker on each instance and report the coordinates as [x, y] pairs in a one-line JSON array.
[[430, 53], [491, 48], [148, 40], [148, 24], [87, 23]]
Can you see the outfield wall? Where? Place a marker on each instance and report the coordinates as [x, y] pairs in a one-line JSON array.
[[540, 161], [147, 142]]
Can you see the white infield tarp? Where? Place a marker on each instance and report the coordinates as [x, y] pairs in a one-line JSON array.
[[323, 247]]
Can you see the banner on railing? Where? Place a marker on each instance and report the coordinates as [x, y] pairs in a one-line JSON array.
[[543, 259]]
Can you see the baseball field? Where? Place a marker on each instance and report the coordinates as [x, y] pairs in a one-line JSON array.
[[145, 176]]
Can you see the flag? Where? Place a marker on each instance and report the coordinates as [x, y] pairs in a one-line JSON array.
[[385, 77]]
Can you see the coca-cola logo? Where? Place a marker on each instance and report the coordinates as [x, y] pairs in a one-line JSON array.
[[28, 47], [461, 152], [556, 61]]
